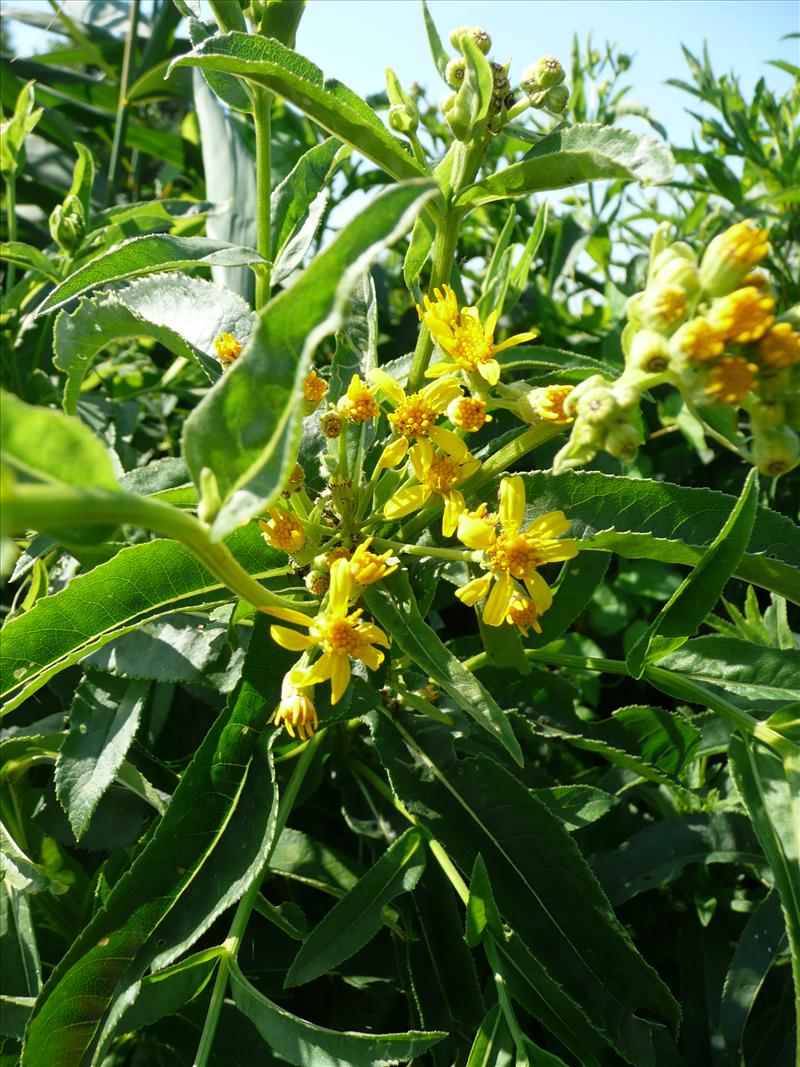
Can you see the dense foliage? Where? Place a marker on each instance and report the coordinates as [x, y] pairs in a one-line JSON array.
[[398, 651]]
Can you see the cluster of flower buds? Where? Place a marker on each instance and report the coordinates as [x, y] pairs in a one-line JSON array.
[[711, 329], [543, 84]]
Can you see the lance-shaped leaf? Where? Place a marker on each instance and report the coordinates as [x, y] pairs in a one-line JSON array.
[[357, 917], [183, 314], [147, 255], [210, 844], [247, 429], [292, 198], [304, 1043], [28, 257], [581, 153], [752, 675], [333, 106]]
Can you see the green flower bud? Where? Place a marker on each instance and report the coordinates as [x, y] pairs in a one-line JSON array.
[[623, 62], [68, 224], [766, 416], [675, 265], [597, 406], [622, 441], [403, 119], [455, 71], [317, 582], [649, 353], [545, 73], [447, 103], [776, 451], [479, 36], [331, 424], [557, 99]]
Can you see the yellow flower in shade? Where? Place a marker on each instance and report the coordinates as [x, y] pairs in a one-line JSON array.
[[283, 531], [779, 348], [314, 389], [522, 613], [444, 308], [470, 344], [367, 567], [468, 413], [228, 349], [699, 340], [744, 315], [359, 403], [296, 711], [730, 380], [340, 635], [415, 416], [548, 403], [511, 555], [439, 474]]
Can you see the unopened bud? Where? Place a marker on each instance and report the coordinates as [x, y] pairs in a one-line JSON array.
[[68, 224], [331, 424], [676, 265], [317, 582], [556, 99], [649, 353], [766, 416], [455, 71], [545, 73], [662, 307], [597, 406], [402, 119], [296, 479], [731, 256], [623, 62], [477, 35], [776, 451], [622, 441]]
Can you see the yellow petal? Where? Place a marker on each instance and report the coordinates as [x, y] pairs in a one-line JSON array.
[[288, 615], [554, 523], [491, 322], [512, 502], [319, 671], [448, 441], [370, 656], [517, 339], [373, 634], [394, 452], [436, 370], [496, 606], [475, 590], [341, 584], [340, 676], [421, 458], [453, 506], [538, 591], [475, 533], [490, 371], [387, 384], [290, 639], [441, 393], [406, 500]]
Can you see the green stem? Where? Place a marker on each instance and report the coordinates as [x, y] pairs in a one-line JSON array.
[[83, 42], [459, 554], [11, 226], [262, 117], [121, 120], [47, 507], [444, 250], [233, 941]]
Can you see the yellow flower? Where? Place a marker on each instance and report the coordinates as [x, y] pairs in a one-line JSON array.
[[523, 613], [779, 348], [228, 349], [283, 531], [744, 315], [663, 307], [511, 555], [730, 380], [296, 711], [698, 339], [415, 415], [358, 404], [470, 344], [367, 567], [443, 309], [340, 635], [548, 403], [439, 474], [314, 389], [731, 255], [468, 413]]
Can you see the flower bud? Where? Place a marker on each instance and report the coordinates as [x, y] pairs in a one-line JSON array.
[[478, 36], [597, 405], [331, 424], [556, 99], [314, 389], [455, 71], [776, 451], [68, 224], [545, 73], [296, 479], [649, 353], [662, 307], [228, 349], [675, 265], [766, 415], [622, 441], [730, 256], [402, 119], [623, 62], [317, 582]]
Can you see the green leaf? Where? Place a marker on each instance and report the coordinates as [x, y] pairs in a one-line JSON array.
[[147, 255], [247, 429], [183, 314], [697, 594], [482, 913], [170, 990], [28, 257], [139, 583], [576, 805], [307, 860], [103, 719], [20, 873], [14, 1014], [643, 519], [395, 607], [762, 939], [210, 844], [755, 674], [492, 1046], [20, 965], [301, 1042], [655, 856], [292, 198], [149, 214], [440, 57], [573, 155], [333, 106], [556, 906], [356, 918]]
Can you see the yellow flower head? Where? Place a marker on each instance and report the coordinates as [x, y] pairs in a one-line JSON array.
[[367, 567], [548, 403], [779, 348], [470, 344], [731, 255], [699, 340], [663, 307], [415, 416], [228, 349], [340, 635], [296, 711], [358, 404], [443, 309], [283, 531], [314, 389], [468, 413], [522, 613], [437, 473], [730, 380], [744, 315], [511, 555]]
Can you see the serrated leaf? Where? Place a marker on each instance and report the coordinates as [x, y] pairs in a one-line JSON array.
[[247, 428], [333, 106], [482, 913], [493, 1046], [301, 1042], [183, 314], [576, 805], [574, 155], [755, 674], [356, 918], [292, 198], [211, 842], [20, 873], [149, 254]]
